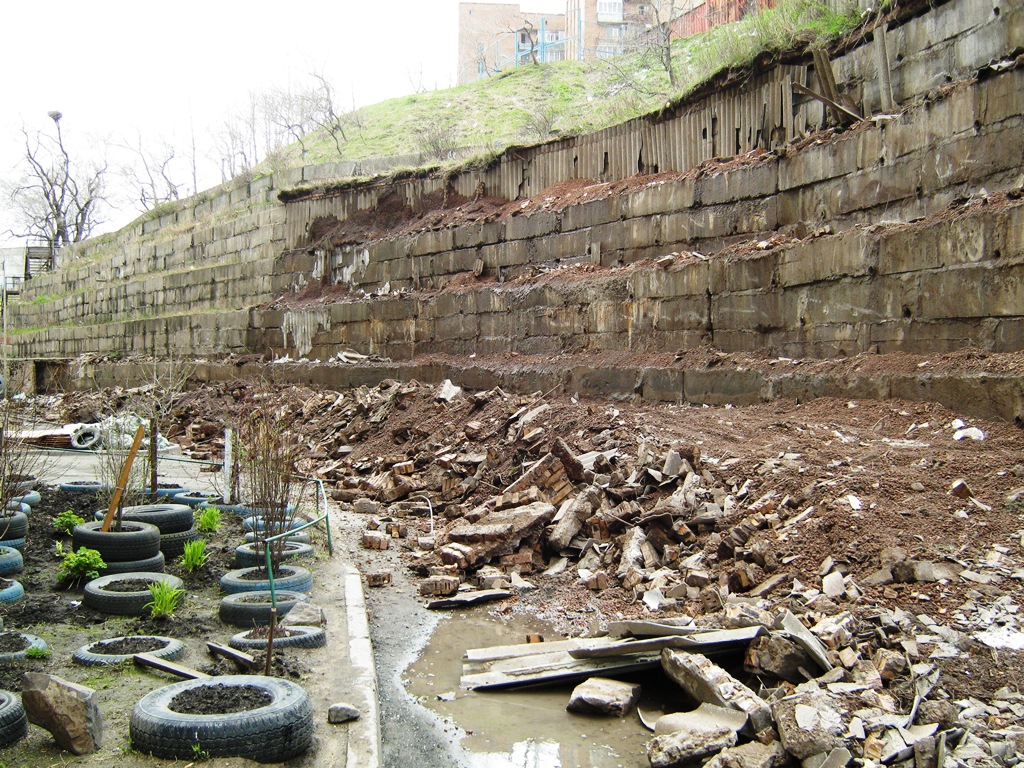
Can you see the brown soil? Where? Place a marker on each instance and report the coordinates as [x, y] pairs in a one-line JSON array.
[[219, 699], [128, 585], [127, 645], [12, 642]]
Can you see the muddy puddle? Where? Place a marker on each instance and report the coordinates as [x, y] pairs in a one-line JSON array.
[[527, 727]]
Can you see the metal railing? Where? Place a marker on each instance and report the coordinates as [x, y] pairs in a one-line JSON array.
[[325, 518]]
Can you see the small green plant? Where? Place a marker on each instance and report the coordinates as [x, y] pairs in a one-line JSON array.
[[37, 653], [199, 754], [165, 599], [208, 519], [58, 549], [83, 564], [194, 556], [66, 521]]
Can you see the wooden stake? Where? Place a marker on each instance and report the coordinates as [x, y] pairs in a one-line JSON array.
[[152, 459], [122, 481]]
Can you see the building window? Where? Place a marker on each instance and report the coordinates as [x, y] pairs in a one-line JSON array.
[[609, 11]]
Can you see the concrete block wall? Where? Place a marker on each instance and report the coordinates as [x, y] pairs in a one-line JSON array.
[[186, 280], [933, 286]]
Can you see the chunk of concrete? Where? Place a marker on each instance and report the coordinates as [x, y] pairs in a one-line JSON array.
[[306, 615], [68, 711], [708, 717], [809, 722], [683, 747], [779, 657], [753, 754], [599, 695], [342, 713], [707, 682]]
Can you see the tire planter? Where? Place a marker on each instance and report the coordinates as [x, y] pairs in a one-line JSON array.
[[173, 544], [33, 642], [13, 543], [293, 579], [169, 518], [240, 610], [11, 561], [85, 438], [13, 722], [164, 491], [196, 498], [253, 554], [270, 734], [13, 525], [301, 537], [306, 637], [90, 655], [99, 598], [135, 541], [12, 593], [155, 564], [83, 486], [24, 483], [18, 506], [32, 498], [256, 523]]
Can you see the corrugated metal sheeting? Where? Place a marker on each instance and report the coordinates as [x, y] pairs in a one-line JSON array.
[[758, 114]]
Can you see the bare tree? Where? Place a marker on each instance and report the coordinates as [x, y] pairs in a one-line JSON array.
[[55, 200], [150, 174], [664, 13]]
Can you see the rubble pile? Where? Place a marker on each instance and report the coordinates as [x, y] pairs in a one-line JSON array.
[[877, 545]]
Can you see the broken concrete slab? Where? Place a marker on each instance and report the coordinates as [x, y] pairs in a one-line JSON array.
[[707, 717], [70, 712], [753, 754], [809, 722], [707, 682], [683, 747], [601, 695]]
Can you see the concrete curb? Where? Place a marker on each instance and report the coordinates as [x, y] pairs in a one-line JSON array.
[[364, 733]]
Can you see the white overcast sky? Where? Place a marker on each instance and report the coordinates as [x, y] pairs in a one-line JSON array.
[[116, 68]]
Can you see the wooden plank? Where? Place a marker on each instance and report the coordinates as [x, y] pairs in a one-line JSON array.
[[839, 108], [523, 649], [465, 599], [149, 660], [701, 642], [579, 670], [239, 657]]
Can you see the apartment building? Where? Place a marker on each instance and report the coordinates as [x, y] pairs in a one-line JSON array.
[[496, 36]]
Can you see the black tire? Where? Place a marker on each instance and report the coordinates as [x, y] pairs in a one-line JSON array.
[[173, 544], [12, 593], [83, 486], [293, 578], [100, 599], [17, 506], [197, 498], [13, 525], [270, 734], [13, 722], [155, 564], [301, 537], [169, 518], [33, 642], [32, 498], [257, 523], [11, 561], [85, 438], [238, 613], [308, 637], [173, 649], [135, 541], [13, 543], [252, 553]]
